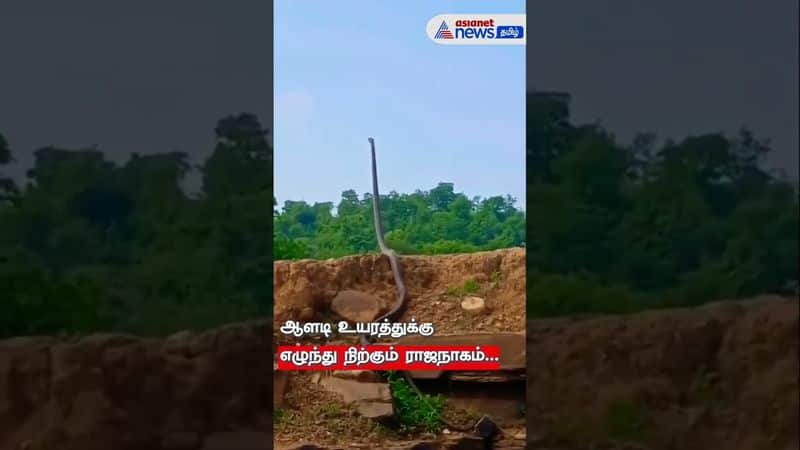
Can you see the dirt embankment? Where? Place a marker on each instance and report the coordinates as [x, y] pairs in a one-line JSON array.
[[436, 284], [721, 376], [724, 376], [308, 291], [208, 391]]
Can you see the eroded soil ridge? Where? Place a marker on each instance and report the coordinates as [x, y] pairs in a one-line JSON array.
[[721, 376]]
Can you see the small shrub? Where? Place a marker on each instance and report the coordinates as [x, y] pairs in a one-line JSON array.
[[469, 287], [416, 413]]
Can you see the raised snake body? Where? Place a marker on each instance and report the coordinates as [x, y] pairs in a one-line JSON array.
[[402, 292]]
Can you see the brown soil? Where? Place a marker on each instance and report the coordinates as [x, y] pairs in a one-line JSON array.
[[313, 414], [721, 376], [724, 376], [437, 284], [304, 289], [207, 391]]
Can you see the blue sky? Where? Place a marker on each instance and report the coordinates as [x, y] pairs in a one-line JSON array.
[[351, 69]]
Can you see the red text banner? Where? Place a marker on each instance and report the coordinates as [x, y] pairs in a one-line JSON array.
[[388, 357]]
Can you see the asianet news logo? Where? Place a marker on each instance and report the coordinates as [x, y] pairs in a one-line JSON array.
[[495, 29]]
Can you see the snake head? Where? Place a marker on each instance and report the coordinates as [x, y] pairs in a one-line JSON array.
[[371, 141]]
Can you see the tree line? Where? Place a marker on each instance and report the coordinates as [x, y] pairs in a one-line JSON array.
[[424, 222], [609, 227], [621, 227], [91, 245]]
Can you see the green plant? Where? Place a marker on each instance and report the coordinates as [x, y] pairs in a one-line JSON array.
[[279, 416], [415, 412], [469, 287]]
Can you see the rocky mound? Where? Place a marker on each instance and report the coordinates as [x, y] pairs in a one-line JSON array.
[[722, 376], [305, 289], [211, 391]]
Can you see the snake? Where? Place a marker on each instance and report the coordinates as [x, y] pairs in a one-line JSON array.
[[402, 292]]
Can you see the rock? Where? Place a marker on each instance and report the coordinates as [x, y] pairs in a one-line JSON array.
[[473, 305], [376, 410], [500, 376], [355, 306], [354, 391], [181, 441], [357, 375], [486, 428], [373, 400]]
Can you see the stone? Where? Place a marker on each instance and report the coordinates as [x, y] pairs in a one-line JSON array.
[[358, 375], [355, 306], [500, 376], [376, 410], [355, 391], [486, 428], [473, 305], [372, 400]]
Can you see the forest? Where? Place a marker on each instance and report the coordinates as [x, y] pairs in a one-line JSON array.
[[431, 222], [88, 245], [609, 227]]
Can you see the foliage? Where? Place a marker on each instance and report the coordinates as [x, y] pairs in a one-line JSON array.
[[415, 412], [614, 228], [88, 244], [438, 221], [469, 287], [91, 245]]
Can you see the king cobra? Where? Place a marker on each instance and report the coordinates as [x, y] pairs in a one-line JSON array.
[[402, 292]]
